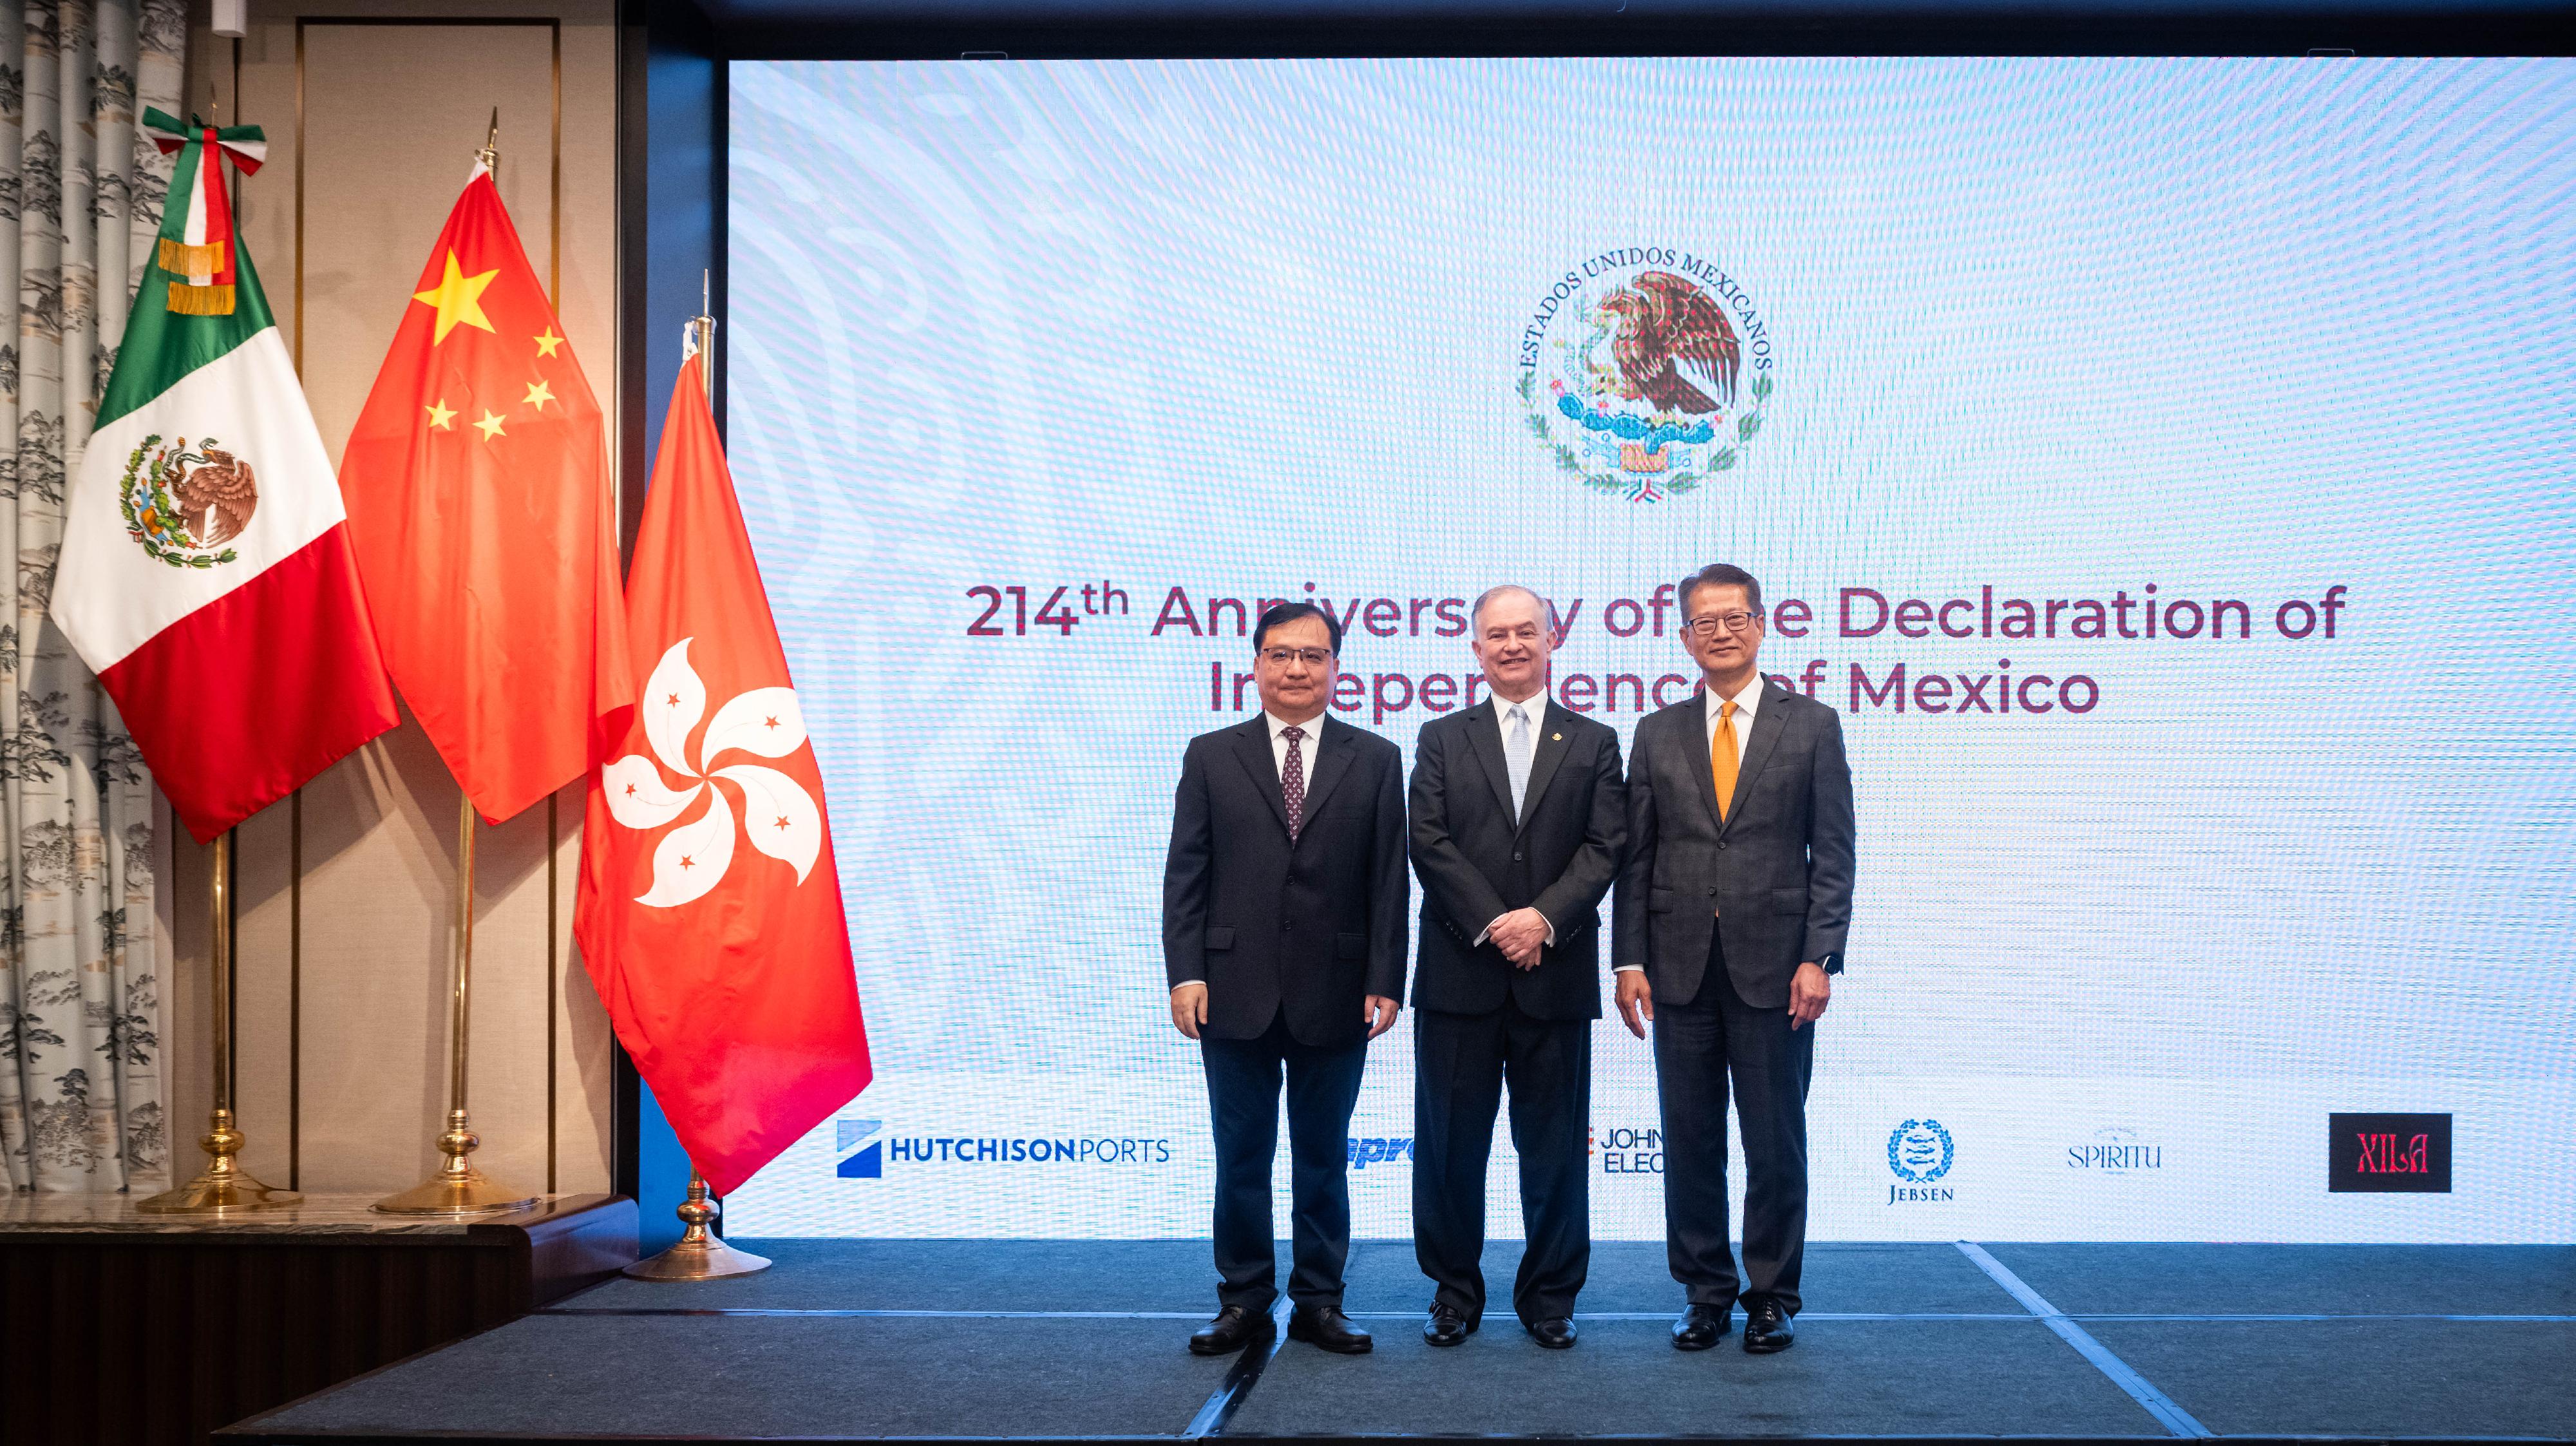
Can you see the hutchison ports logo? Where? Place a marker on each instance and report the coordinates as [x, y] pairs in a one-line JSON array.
[[862, 1153]]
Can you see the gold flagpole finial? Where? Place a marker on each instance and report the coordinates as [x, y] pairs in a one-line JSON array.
[[490, 155], [702, 333]]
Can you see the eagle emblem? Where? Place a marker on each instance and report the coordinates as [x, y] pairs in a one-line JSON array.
[[1661, 323], [1634, 372], [184, 505]]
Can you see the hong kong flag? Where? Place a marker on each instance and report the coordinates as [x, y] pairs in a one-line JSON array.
[[710, 911]]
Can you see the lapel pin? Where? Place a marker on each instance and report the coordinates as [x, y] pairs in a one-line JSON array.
[[1556, 738]]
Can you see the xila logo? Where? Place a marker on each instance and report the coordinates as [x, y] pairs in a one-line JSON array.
[[1919, 1152], [2408, 1154], [857, 1163]]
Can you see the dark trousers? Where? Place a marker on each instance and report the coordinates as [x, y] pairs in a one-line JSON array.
[[1243, 1105], [1461, 1064], [1699, 1046]]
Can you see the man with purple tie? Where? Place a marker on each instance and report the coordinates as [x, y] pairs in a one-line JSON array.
[[1284, 901]]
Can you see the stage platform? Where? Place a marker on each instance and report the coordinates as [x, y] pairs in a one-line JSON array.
[[1055, 1340]]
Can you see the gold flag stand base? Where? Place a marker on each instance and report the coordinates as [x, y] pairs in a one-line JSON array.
[[700, 1255], [458, 1188], [223, 1185]]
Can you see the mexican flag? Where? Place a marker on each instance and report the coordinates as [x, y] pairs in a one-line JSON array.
[[206, 575]]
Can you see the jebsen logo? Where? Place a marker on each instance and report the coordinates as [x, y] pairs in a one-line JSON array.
[[2410, 1153], [863, 1157], [2115, 1150], [1360, 1154], [1645, 371], [1919, 1152]]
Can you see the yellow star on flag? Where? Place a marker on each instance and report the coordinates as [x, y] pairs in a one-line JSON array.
[[491, 425], [458, 298], [439, 416], [547, 343], [538, 395]]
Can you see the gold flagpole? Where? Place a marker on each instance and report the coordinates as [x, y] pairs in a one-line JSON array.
[[458, 1188], [700, 1254], [223, 1185]]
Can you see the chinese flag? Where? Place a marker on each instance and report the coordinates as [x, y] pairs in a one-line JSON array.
[[710, 910], [477, 486]]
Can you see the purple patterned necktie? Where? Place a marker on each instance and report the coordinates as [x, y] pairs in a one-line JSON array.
[[1292, 780]]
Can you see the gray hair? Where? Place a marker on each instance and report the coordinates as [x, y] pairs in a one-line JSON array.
[[1477, 613]]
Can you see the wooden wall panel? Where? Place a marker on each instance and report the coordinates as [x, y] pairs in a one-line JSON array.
[[345, 899]]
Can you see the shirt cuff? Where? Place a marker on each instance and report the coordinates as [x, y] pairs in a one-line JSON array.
[[1479, 941], [1184, 984], [1629, 969]]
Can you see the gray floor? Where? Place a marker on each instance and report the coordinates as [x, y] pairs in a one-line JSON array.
[[1047, 1339]]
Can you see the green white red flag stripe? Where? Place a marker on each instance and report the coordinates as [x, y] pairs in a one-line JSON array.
[[205, 573]]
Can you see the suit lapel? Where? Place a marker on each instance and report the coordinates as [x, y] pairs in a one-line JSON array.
[[1484, 730], [1768, 720], [1547, 751], [1331, 759], [1252, 749], [1695, 746]]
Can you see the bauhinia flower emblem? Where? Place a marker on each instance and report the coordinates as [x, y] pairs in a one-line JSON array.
[[779, 816]]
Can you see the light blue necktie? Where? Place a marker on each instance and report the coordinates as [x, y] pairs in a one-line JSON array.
[[1516, 757]]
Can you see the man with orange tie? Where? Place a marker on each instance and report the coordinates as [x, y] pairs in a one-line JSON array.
[[1730, 920]]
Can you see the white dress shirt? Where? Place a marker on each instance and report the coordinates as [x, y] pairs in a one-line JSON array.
[[1713, 712], [1279, 743], [1534, 708], [1745, 702]]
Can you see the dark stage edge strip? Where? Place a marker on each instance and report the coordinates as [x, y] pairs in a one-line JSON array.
[[2319, 1348]]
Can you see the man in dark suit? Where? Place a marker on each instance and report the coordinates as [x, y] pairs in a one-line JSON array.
[[1519, 823], [1731, 916], [1283, 941]]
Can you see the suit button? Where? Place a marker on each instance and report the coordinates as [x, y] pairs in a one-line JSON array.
[[1516, 856], [1283, 924], [1712, 891], [1721, 843]]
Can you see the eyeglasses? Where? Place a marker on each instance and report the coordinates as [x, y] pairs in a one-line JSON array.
[[1311, 657], [1707, 626]]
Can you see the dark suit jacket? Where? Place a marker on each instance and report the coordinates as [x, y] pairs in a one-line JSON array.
[[1477, 861], [1311, 928], [1774, 881]]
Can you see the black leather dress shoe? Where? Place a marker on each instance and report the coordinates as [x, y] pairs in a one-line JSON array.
[[1701, 1326], [1446, 1327], [1767, 1329], [1326, 1326], [1234, 1327], [1555, 1332]]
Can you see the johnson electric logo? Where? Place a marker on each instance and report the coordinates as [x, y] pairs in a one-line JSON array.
[[2388, 1152], [1645, 371], [1629, 1149], [864, 1157]]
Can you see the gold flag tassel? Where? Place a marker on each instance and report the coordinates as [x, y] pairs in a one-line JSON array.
[[181, 259], [191, 300]]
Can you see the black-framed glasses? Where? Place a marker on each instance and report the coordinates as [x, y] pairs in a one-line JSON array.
[[1708, 624], [1311, 657]]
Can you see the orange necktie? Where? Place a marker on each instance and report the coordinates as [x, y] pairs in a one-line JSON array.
[[1721, 758]]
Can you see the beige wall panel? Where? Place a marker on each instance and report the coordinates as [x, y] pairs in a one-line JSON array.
[[358, 946], [379, 870]]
